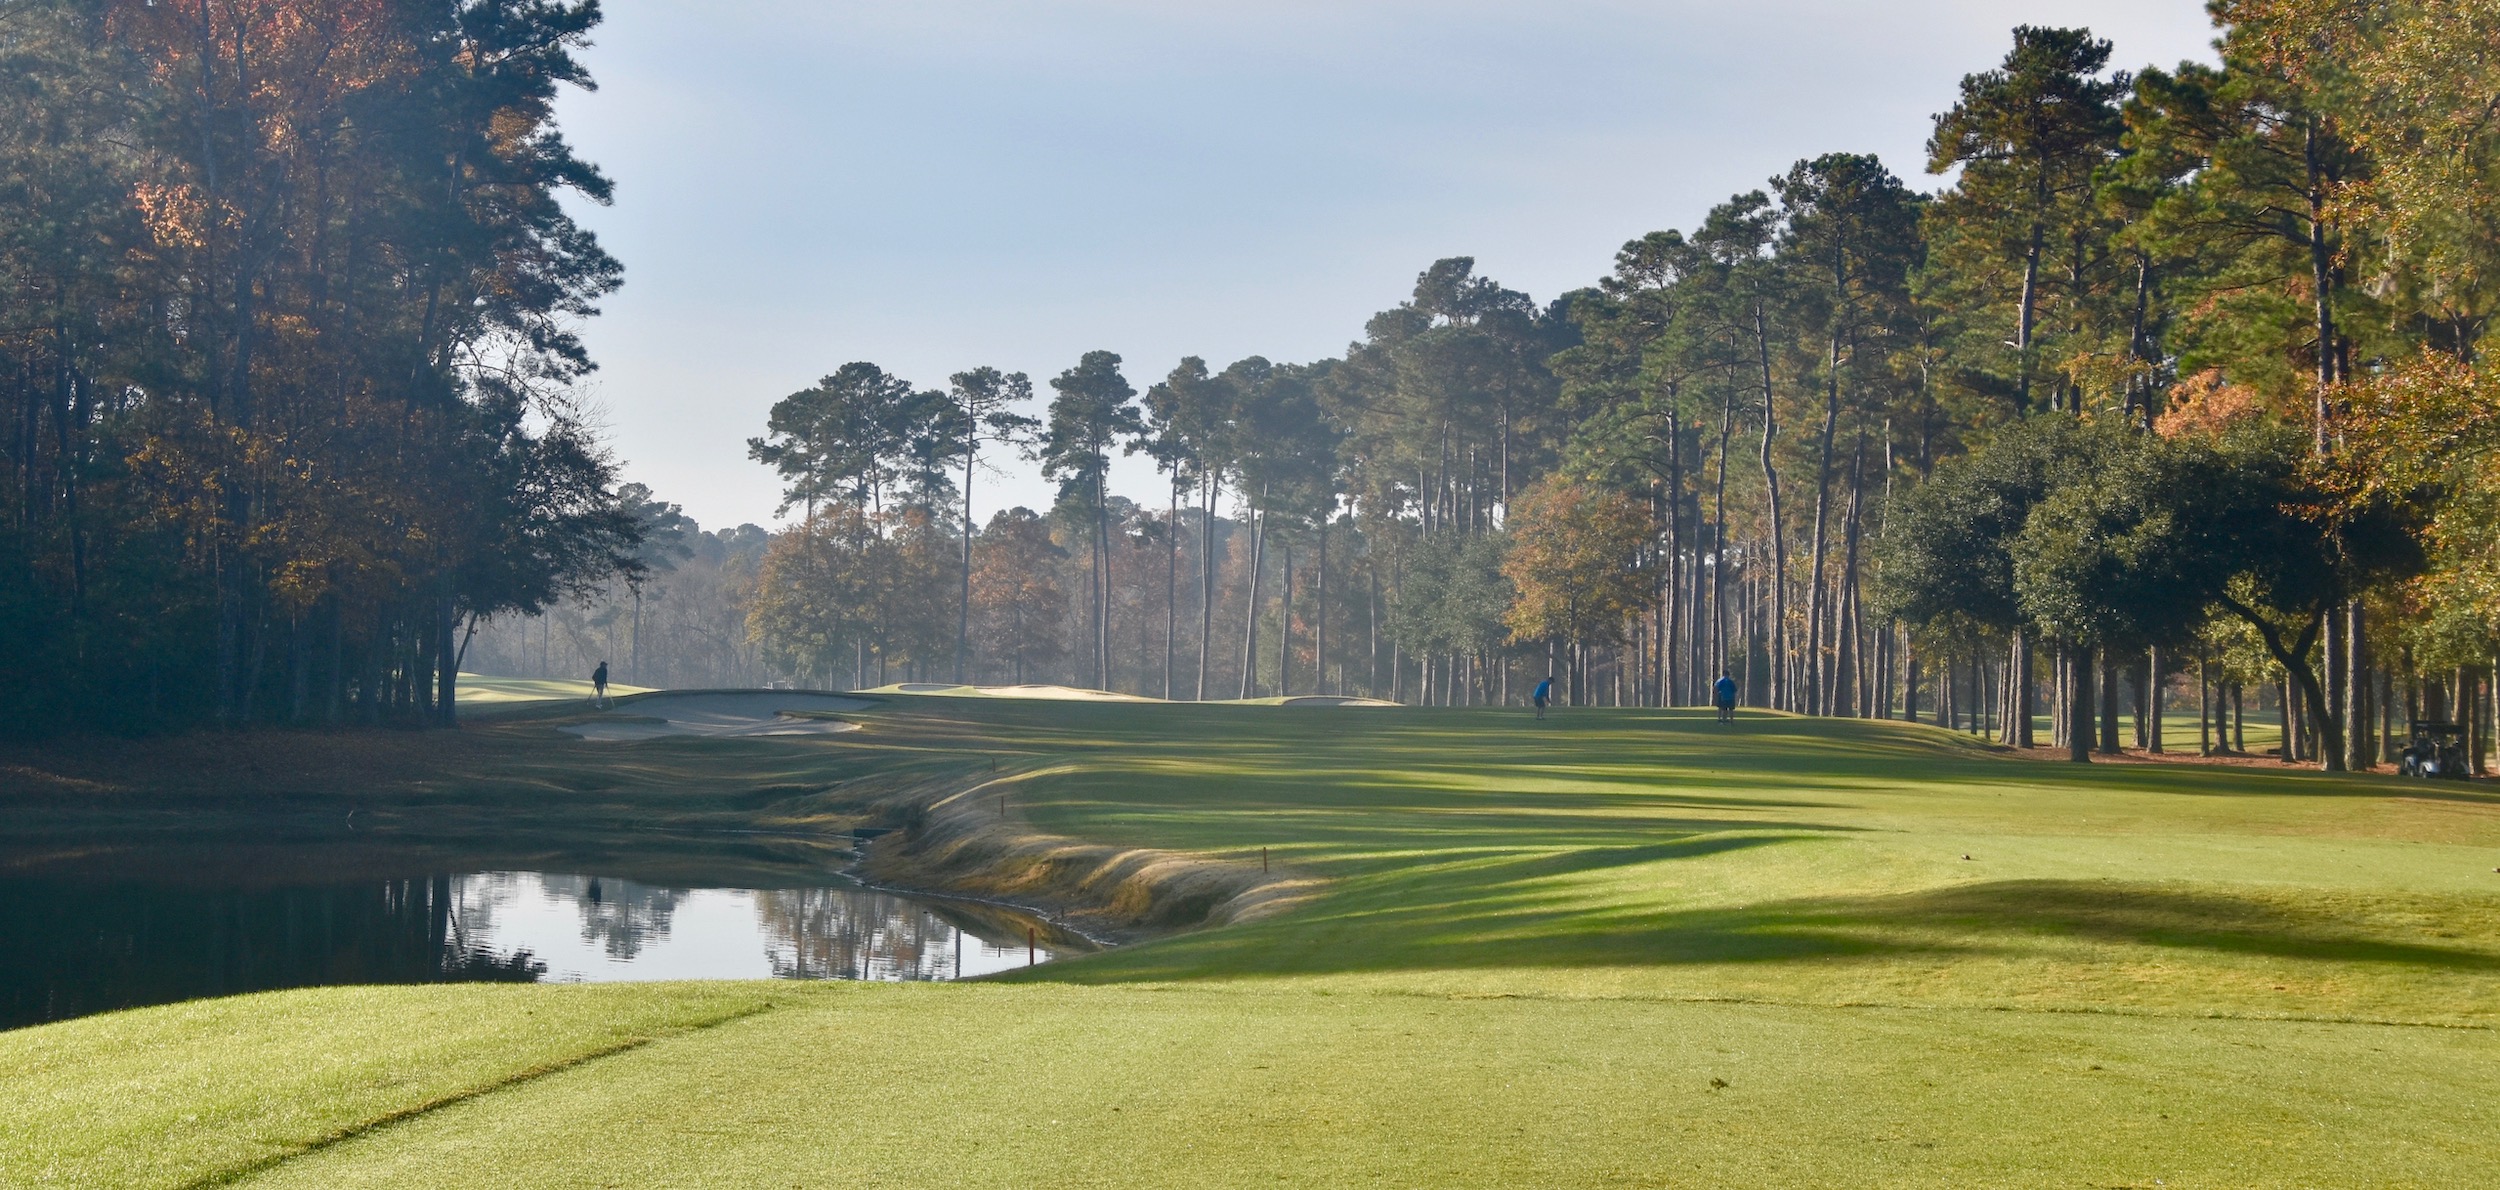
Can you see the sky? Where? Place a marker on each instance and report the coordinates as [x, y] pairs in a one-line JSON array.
[[936, 186]]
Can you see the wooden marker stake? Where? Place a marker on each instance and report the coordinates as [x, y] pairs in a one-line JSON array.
[[1032, 945]]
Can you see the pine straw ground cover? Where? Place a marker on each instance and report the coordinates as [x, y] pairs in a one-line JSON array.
[[1612, 948]]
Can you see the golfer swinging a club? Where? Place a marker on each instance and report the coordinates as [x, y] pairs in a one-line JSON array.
[[1544, 694], [1723, 696]]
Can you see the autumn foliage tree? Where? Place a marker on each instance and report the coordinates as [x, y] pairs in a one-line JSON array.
[[286, 308], [1570, 545], [1017, 595]]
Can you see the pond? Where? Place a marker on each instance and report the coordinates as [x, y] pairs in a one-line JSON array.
[[86, 930]]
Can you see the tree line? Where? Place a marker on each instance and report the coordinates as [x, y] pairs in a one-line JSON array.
[[2166, 384], [287, 352], [2171, 383]]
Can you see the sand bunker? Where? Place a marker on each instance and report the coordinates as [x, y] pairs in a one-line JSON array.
[[1334, 700], [761, 713]]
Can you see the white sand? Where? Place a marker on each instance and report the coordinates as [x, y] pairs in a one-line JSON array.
[[761, 713]]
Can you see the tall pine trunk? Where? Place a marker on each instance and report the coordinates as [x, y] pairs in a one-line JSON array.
[[2152, 700], [2078, 669], [1319, 619], [1206, 578], [1673, 607], [2018, 684], [1777, 629], [2027, 314], [1102, 580], [2359, 753], [447, 660], [1718, 541], [1284, 625], [1171, 585], [1850, 659], [1820, 675], [963, 592], [1250, 613], [2108, 669]]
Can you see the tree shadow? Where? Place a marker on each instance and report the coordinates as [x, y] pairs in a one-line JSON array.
[[1324, 815], [1514, 914], [2159, 916]]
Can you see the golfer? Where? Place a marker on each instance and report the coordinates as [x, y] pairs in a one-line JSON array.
[[599, 685], [1544, 694], [1723, 696]]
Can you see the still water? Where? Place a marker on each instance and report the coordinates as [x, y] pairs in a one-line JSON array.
[[159, 927]]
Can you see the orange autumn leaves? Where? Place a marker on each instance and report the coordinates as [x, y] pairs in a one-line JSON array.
[[1572, 548]]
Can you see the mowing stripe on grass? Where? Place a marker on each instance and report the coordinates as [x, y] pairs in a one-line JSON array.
[[204, 1092], [402, 1115]]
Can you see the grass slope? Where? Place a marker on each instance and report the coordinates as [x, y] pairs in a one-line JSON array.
[[1542, 949], [478, 690]]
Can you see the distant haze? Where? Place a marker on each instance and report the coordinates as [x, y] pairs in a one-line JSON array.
[[932, 187]]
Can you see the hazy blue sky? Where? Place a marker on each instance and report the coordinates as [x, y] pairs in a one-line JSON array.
[[935, 186]]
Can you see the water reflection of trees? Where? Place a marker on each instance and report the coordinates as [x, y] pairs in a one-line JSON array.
[[847, 933], [808, 933], [71, 947], [74, 946], [620, 917]]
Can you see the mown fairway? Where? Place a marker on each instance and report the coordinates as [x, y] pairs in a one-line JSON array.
[[1613, 948]]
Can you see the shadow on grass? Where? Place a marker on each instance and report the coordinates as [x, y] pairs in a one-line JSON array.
[[1479, 748], [1359, 825], [1513, 914]]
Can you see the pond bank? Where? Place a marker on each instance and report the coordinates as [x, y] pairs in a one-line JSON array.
[[953, 838], [923, 821]]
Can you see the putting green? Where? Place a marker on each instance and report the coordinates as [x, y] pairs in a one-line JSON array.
[[1613, 947]]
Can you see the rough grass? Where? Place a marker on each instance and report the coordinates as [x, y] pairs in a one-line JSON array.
[[1535, 948]]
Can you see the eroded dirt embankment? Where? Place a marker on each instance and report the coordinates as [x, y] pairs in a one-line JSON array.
[[966, 838]]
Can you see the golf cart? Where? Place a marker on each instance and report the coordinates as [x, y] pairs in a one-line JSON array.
[[2437, 750]]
